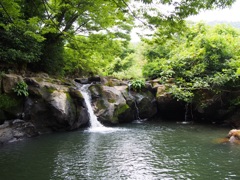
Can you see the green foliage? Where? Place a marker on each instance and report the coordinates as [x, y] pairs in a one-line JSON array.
[[200, 58], [128, 65], [34, 33], [21, 89], [236, 101], [90, 55], [41, 35], [17, 48], [137, 84]]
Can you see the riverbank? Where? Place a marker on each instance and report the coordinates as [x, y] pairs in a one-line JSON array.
[[51, 105]]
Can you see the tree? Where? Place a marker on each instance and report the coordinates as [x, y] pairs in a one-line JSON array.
[[57, 21], [90, 55], [50, 25], [20, 43], [203, 60]]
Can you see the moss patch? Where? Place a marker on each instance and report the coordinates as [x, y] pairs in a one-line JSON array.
[[49, 89], [121, 109], [96, 90], [111, 100], [101, 105], [7, 101]]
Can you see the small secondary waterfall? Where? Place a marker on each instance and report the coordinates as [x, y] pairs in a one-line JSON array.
[[135, 103], [188, 115], [94, 123]]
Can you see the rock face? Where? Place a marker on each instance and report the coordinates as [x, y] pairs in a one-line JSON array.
[[52, 105], [16, 130], [55, 106], [109, 104], [167, 106], [117, 105]]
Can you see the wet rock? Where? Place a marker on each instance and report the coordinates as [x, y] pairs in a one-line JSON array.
[[168, 107], [109, 104], [94, 79], [16, 130], [146, 104], [82, 80], [116, 105], [9, 81], [54, 107]]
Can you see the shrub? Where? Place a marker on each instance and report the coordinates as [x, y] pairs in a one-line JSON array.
[[21, 89], [138, 84]]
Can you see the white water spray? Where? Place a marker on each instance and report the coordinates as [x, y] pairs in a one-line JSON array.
[[95, 125]]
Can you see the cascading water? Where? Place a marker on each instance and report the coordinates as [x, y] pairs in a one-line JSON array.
[[135, 103], [188, 115], [95, 125]]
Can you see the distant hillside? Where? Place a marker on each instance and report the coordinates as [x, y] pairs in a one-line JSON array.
[[234, 24]]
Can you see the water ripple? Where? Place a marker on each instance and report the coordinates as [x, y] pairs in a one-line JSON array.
[[135, 152]]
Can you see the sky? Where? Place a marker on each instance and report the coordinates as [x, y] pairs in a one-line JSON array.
[[228, 14]]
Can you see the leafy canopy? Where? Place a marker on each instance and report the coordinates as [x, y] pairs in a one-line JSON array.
[[202, 58], [40, 34]]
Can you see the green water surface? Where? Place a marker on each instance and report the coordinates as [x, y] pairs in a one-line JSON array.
[[146, 151]]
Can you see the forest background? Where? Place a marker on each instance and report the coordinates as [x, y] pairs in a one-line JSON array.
[[92, 37]]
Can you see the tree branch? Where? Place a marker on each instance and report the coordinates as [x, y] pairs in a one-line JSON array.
[[4, 9]]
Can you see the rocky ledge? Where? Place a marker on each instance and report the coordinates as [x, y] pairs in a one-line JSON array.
[[58, 105]]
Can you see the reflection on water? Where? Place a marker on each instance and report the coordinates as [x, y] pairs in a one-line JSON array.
[[134, 152]]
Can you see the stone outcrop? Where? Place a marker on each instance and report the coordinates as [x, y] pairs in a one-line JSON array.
[[52, 105], [16, 130], [109, 104], [168, 107], [117, 105], [57, 105]]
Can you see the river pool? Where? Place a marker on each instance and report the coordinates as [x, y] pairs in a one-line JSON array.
[[137, 151]]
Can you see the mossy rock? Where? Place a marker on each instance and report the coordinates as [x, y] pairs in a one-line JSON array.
[[121, 109], [96, 90], [75, 94], [101, 104], [11, 105], [7, 101], [111, 100]]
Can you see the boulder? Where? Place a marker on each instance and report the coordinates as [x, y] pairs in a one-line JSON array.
[[82, 80], [146, 104], [108, 81], [9, 81], [11, 105], [110, 105], [92, 79], [16, 130], [169, 107], [117, 105], [54, 106]]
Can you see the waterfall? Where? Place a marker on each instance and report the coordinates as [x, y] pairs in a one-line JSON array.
[[94, 123], [188, 115], [135, 103]]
